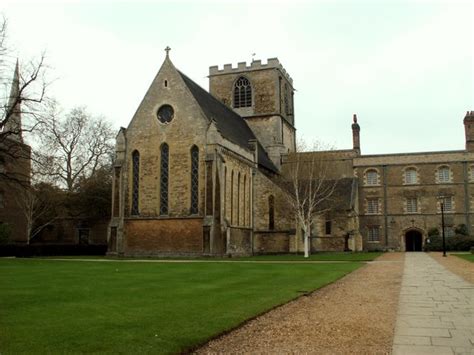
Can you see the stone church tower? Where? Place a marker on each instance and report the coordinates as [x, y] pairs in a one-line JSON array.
[[263, 95]]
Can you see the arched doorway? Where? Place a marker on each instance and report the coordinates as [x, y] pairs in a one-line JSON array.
[[413, 241]]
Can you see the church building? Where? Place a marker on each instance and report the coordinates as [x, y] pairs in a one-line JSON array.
[[203, 173]]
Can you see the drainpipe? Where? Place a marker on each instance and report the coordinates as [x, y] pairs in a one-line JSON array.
[[385, 203], [466, 198]]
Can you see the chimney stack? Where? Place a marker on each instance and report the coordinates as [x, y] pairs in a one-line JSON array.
[[469, 130], [356, 135]]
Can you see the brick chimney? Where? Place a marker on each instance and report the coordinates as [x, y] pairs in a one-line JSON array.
[[356, 135], [469, 130]]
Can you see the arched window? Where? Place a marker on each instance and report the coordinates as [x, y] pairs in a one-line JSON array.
[[372, 177], [232, 197], [238, 199], [194, 180], [242, 93], [271, 212], [411, 176], [245, 196], [225, 192], [135, 181], [287, 105], [164, 179], [444, 174]]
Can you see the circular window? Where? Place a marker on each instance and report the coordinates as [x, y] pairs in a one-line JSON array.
[[165, 114]]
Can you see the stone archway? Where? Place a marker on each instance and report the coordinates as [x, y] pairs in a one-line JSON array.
[[413, 240]]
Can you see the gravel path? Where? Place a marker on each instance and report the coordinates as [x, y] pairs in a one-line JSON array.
[[456, 265], [354, 315]]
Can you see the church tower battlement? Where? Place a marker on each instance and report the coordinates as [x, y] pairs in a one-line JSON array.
[[263, 95]]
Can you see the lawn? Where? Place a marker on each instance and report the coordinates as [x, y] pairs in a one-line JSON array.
[[468, 257], [50, 306], [327, 256], [321, 256]]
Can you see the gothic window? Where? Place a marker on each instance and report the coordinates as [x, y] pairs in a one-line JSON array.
[[135, 181], [444, 174], [373, 234], [271, 212], [245, 195], [372, 177], [411, 176], [225, 192], [285, 97], [164, 179], [328, 227], [232, 198], [242, 93], [238, 199], [194, 180]]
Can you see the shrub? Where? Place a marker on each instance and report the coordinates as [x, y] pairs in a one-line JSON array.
[[461, 229], [433, 232], [5, 233], [456, 243]]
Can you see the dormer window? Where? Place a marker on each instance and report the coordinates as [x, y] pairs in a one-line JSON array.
[[242, 93]]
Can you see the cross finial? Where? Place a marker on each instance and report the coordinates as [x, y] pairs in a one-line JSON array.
[[167, 50]]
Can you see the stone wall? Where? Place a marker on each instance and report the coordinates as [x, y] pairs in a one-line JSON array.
[[271, 242], [163, 236], [240, 242], [393, 218]]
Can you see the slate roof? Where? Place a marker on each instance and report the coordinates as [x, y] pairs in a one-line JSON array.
[[232, 126]]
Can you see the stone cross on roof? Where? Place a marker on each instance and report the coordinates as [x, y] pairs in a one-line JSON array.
[[167, 50]]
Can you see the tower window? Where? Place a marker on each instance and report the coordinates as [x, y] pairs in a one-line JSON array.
[[164, 173], [242, 93], [194, 180], [135, 181]]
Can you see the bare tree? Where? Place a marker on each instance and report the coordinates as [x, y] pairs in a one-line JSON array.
[[39, 205], [22, 95], [307, 177], [73, 146]]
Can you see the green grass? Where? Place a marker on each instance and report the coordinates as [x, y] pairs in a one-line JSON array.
[[468, 257], [321, 256], [328, 256], [64, 307]]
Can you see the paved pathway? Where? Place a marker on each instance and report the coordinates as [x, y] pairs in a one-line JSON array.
[[436, 310]]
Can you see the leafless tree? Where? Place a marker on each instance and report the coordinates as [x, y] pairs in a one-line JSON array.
[[22, 96], [307, 177], [73, 145], [39, 205]]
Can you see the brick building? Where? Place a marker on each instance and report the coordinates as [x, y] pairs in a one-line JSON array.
[[200, 172]]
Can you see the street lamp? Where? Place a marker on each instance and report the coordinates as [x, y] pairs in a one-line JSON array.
[[441, 202]]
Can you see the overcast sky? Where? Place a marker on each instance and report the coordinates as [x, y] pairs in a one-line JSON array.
[[405, 67]]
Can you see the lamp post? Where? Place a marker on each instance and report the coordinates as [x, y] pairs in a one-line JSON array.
[[441, 201]]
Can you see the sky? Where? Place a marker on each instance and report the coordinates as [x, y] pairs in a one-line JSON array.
[[406, 68]]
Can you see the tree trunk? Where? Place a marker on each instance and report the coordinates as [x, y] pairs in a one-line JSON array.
[[306, 243]]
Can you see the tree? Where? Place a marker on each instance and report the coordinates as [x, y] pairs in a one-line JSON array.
[[310, 186], [21, 103], [73, 146], [40, 205], [22, 99]]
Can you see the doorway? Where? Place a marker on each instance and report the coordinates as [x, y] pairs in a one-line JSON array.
[[413, 241]]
